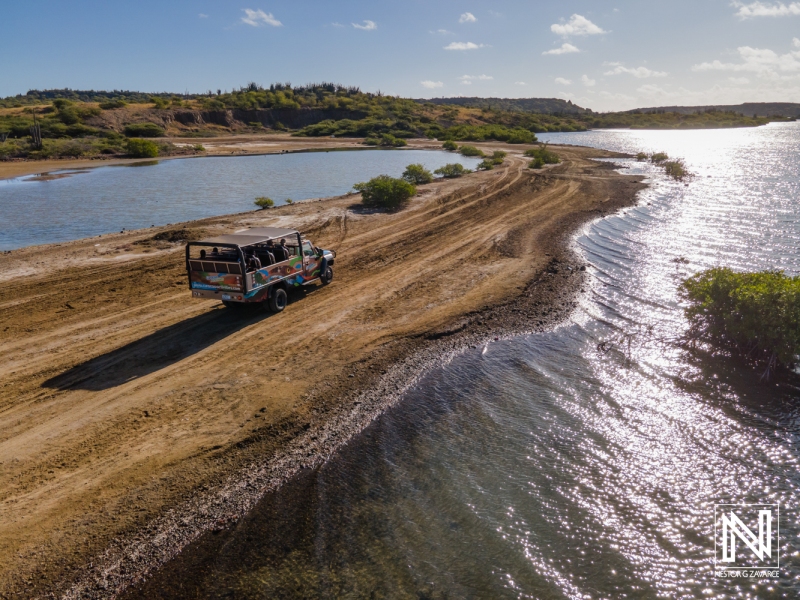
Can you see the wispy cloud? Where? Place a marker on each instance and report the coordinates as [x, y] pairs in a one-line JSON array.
[[443, 32], [638, 72], [467, 17], [476, 78], [520, 83], [257, 18], [587, 81], [431, 84], [764, 9], [203, 16], [577, 25], [761, 61], [563, 81], [564, 49], [739, 80], [463, 46], [335, 24], [367, 26]]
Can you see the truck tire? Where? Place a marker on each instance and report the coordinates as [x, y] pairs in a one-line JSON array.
[[327, 276], [277, 300]]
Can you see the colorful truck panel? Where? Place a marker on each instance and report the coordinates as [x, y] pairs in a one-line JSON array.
[[216, 281]]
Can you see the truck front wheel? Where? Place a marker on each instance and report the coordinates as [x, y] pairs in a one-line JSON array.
[[277, 300], [327, 276]]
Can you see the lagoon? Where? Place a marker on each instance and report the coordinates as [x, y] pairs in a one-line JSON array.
[[37, 210]]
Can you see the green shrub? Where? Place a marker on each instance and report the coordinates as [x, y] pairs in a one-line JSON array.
[[199, 148], [756, 315], [450, 145], [113, 104], [675, 169], [387, 139], [138, 148], [499, 154], [417, 174], [159, 102], [541, 156], [487, 164], [470, 151], [640, 156], [521, 136], [384, 191], [149, 130], [452, 170], [289, 201], [659, 157], [264, 202]]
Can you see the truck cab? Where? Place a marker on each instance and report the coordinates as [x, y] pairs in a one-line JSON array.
[[256, 266]]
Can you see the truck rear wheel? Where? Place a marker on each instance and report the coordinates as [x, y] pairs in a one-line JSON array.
[[277, 300]]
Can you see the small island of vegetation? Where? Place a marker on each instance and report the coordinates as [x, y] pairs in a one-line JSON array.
[[755, 316]]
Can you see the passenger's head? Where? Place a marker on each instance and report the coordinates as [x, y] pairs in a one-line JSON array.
[[283, 241], [269, 243], [215, 250], [202, 253]]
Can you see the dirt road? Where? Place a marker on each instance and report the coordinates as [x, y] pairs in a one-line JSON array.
[[121, 397]]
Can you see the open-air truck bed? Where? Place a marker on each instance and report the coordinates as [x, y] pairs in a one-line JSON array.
[[222, 273]]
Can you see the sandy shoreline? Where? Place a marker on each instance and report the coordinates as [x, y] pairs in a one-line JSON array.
[[135, 420]]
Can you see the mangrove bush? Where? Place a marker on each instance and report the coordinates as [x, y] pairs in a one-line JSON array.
[[754, 315], [264, 202], [384, 191], [417, 174], [541, 157], [452, 170], [470, 151], [138, 148]]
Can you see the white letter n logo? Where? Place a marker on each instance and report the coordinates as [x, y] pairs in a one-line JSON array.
[[733, 528]]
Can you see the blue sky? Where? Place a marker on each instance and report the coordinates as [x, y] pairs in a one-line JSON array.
[[602, 55]]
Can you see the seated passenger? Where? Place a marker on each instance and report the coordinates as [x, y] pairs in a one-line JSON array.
[[202, 254], [215, 253], [281, 253], [253, 264]]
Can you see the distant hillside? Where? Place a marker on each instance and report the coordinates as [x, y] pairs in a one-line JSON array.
[[547, 106], [34, 97], [750, 109]]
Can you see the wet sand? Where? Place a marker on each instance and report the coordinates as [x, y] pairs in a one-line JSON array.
[[134, 420]]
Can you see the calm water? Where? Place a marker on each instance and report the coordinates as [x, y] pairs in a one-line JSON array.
[[546, 468], [108, 199]]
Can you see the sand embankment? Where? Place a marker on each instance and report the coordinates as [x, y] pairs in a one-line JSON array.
[[122, 398]]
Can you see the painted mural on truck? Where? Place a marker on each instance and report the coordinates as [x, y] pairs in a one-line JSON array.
[[291, 272], [202, 280]]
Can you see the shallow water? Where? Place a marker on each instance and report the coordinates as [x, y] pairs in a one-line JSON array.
[[43, 210], [580, 463]]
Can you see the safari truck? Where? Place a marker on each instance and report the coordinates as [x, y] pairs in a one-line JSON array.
[[256, 266]]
